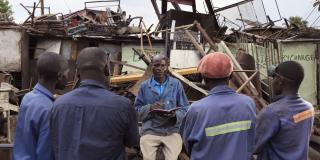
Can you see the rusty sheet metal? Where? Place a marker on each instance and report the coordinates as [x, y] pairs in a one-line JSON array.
[[10, 53]]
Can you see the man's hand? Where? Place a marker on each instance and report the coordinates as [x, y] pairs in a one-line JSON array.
[[157, 105], [170, 115]]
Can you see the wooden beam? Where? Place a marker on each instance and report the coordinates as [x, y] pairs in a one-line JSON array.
[[176, 6], [164, 7], [156, 8], [135, 89], [212, 12], [136, 77], [195, 43], [177, 28], [245, 83], [145, 59], [194, 7], [126, 78], [26, 9], [206, 36], [209, 6], [187, 71], [186, 81], [126, 64]]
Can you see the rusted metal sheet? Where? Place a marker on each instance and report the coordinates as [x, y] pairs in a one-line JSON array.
[[10, 53]]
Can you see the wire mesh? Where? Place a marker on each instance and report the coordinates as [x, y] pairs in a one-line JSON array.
[[245, 15]]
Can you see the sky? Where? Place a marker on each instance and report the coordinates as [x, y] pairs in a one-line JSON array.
[[144, 8]]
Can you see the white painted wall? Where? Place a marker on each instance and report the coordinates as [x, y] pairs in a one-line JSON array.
[[10, 52], [184, 59]]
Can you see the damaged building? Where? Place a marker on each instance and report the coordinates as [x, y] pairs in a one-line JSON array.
[[243, 30]]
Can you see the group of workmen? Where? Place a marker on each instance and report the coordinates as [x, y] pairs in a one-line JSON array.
[[93, 123]]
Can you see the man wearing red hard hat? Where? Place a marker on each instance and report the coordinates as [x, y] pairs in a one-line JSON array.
[[221, 125]]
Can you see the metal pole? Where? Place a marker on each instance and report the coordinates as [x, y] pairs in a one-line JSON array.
[[42, 7]]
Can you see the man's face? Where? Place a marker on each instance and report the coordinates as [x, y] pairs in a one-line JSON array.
[[159, 68], [62, 80]]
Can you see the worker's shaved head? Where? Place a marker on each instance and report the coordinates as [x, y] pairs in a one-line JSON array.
[[50, 64], [159, 57], [288, 78], [293, 71], [92, 58]]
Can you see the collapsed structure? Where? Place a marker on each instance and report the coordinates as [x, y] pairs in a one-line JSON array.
[[251, 40]]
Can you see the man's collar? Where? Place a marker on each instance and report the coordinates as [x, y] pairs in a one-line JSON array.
[[89, 82], [221, 89], [154, 82], [277, 98], [43, 90]]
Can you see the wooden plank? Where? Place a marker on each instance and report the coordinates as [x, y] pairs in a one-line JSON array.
[[126, 78], [126, 64], [136, 77], [195, 43], [134, 89], [206, 36], [187, 71], [245, 83], [186, 81]]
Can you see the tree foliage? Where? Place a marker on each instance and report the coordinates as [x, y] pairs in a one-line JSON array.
[[5, 7], [297, 21], [317, 4]]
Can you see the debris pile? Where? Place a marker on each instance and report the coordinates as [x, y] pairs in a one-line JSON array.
[[86, 22]]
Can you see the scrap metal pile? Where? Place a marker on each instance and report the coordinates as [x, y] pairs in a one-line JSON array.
[[86, 22]]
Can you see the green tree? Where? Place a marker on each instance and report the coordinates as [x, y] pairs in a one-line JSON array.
[[317, 4], [297, 21], [5, 7]]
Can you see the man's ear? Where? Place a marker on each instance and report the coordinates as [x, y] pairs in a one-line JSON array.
[[60, 75], [282, 82], [106, 70]]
